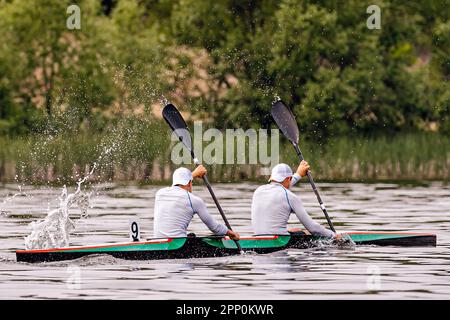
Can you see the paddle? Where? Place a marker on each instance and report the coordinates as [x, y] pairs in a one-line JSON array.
[[285, 120], [176, 122]]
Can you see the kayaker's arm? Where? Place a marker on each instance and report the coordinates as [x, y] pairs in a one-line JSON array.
[[200, 208], [302, 169], [295, 178], [312, 226]]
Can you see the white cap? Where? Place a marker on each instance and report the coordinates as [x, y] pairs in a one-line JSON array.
[[181, 176], [280, 172]]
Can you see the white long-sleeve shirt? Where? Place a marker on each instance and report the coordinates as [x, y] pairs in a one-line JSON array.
[[273, 204], [174, 210]]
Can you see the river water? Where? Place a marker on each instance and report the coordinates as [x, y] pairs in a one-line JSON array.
[[366, 272]]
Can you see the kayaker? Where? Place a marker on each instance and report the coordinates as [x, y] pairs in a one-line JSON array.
[[175, 207], [273, 203]]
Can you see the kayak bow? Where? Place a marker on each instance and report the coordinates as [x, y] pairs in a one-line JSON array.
[[206, 247]]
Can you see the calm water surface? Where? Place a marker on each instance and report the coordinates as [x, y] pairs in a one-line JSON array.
[[359, 273]]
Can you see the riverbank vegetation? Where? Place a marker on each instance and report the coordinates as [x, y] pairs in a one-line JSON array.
[[137, 157], [371, 104]]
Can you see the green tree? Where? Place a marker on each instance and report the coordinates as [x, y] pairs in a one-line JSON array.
[[139, 55], [53, 65]]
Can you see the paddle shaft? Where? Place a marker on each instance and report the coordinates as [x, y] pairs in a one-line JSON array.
[[219, 207], [175, 120], [316, 192]]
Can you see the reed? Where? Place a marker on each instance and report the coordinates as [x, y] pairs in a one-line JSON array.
[[414, 156], [141, 153]]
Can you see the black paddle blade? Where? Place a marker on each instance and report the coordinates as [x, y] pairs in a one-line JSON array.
[[176, 122], [285, 120]]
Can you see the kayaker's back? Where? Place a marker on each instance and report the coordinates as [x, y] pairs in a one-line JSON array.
[[173, 212], [270, 209]]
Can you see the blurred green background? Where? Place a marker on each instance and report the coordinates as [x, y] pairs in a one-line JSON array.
[[371, 104]]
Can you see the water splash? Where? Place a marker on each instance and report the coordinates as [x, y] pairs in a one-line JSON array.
[[54, 230], [164, 101], [10, 199], [276, 98], [344, 242]]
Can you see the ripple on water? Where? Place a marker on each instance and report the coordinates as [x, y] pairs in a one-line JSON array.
[[325, 272]]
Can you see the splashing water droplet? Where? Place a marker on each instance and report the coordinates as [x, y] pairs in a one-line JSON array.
[[11, 199], [276, 98], [54, 230]]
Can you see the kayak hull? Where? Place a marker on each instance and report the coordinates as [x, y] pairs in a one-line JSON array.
[[207, 247]]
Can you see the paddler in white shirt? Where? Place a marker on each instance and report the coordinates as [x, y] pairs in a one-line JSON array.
[[273, 203], [175, 207]]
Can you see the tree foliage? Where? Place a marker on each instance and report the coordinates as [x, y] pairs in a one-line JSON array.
[[227, 59]]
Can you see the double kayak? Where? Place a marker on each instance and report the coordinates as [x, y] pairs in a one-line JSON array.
[[207, 247]]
